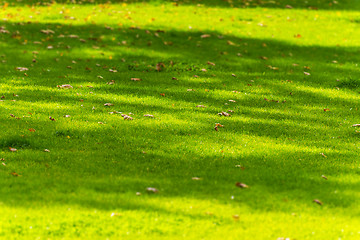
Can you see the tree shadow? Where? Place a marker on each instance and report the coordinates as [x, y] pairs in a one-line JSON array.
[[259, 112]]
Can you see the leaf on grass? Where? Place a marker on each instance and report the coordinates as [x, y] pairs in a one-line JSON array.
[[324, 177], [241, 185], [205, 36], [162, 94], [224, 114], [152, 190], [111, 82], [196, 178], [174, 78], [318, 201], [211, 63], [22, 69], [149, 115], [326, 109], [218, 125], [32, 130], [236, 217], [126, 117], [160, 66], [322, 154], [115, 214], [52, 119], [307, 73], [67, 116], [4, 164], [202, 106], [108, 104], [65, 86], [232, 100], [230, 43], [216, 128], [136, 79], [138, 193], [46, 150], [47, 31], [12, 149], [15, 174], [356, 125]]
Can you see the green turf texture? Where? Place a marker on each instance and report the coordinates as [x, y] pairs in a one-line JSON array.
[[290, 69]]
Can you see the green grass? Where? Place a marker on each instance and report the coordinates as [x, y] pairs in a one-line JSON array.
[[288, 128]]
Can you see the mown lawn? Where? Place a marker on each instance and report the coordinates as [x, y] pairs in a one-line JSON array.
[[73, 168]]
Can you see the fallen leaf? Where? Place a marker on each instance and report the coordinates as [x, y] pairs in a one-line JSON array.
[[127, 117], [115, 214], [218, 125], [232, 100], [15, 174], [12, 149], [233, 75], [211, 63], [67, 116], [236, 217], [288, 6], [111, 82], [149, 115], [356, 125], [162, 94], [46, 150], [216, 128], [108, 104], [160, 66], [196, 178], [241, 185], [230, 43], [318, 201], [136, 79], [202, 106], [4, 164], [326, 109], [47, 31], [306, 73], [322, 154], [205, 36], [52, 119], [152, 190], [224, 114], [324, 177], [138, 193], [65, 86], [174, 78], [22, 69], [32, 130]]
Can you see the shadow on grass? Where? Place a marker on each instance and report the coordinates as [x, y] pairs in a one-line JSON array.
[[120, 166]]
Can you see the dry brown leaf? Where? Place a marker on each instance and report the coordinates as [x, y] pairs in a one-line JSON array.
[[356, 125], [230, 43], [200, 106], [12, 149], [46, 150], [162, 94], [306, 73], [52, 119], [324, 177], [152, 190], [205, 36], [196, 178], [322, 154], [241, 185], [127, 117], [211, 63], [218, 125], [47, 31], [326, 109], [67, 116], [65, 86], [224, 114], [22, 69], [32, 130], [232, 100], [136, 79], [15, 174], [216, 128], [108, 104], [318, 201], [149, 115]]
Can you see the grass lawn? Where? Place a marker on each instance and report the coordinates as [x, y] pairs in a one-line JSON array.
[[75, 166]]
